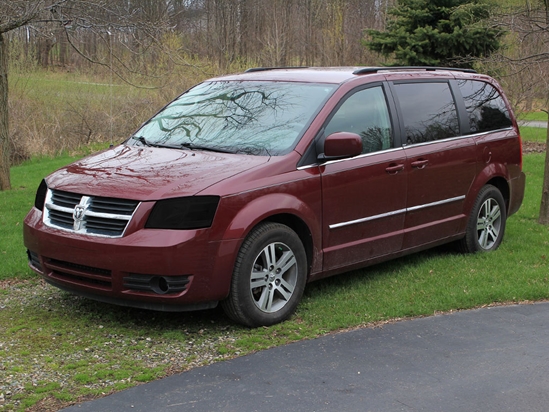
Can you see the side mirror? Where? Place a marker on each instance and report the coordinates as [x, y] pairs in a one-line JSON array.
[[341, 145]]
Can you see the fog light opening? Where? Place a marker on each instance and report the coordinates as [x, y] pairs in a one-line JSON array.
[[159, 285]]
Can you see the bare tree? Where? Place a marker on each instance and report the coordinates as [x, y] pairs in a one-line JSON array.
[[15, 14], [228, 33], [527, 64], [136, 21], [288, 32]]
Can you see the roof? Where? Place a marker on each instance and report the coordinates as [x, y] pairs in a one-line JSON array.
[[334, 75]]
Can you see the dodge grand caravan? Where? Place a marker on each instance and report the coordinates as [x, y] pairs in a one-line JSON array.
[[248, 186]]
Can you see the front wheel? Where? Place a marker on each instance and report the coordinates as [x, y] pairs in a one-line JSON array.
[[486, 224], [268, 278]]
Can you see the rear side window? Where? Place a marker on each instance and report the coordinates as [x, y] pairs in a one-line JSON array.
[[428, 110], [485, 106]]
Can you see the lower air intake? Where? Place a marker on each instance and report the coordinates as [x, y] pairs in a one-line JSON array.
[[160, 285]]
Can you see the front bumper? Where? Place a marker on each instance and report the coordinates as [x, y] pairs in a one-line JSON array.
[[168, 270]]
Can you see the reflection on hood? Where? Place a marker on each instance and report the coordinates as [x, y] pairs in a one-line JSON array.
[[144, 173]]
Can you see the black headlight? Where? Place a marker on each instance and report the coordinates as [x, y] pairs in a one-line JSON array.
[[41, 195], [183, 213]]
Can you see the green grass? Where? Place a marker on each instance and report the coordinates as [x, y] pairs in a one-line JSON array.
[[533, 134], [533, 116], [55, 88], [14, 205], [96, 348]]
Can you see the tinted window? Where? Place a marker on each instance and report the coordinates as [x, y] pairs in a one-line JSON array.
[[486, 108], [260, 118], [365, 113], [428, 110]]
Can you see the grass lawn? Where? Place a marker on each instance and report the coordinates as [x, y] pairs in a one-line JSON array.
[[537, 116], [14, 205], [55, 88], [56, 348], [533, 134]]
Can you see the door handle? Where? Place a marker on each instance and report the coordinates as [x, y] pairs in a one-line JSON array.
[[420, 164], [394, 169]]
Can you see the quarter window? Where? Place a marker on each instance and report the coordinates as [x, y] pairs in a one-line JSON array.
[[366, 114], [485, 106], [428, 110]]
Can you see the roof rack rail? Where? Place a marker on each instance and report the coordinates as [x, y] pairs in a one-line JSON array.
[[263, 69], [368, 70]]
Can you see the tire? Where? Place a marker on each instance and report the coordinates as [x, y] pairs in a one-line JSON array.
[[268, 278], [486, 225]]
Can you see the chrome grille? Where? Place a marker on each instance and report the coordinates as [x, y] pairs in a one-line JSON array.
[[112, 205], [65, 199], [99, 216]]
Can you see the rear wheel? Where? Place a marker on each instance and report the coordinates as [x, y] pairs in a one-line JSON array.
[[268, 278], [486, 224]]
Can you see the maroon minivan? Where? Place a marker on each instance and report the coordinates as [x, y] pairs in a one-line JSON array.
[[246, 187]]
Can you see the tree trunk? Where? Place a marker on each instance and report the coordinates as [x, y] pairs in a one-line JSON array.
[[544, 207], [4, 135], [63, 45], [44, 46]]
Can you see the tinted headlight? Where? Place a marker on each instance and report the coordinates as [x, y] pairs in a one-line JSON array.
[[41, 195], [183, 213]]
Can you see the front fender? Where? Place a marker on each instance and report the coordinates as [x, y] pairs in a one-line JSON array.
[[261, 208], [283, 207]]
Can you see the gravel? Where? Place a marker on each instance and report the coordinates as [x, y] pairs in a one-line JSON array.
[[25, 370], [533, 147]]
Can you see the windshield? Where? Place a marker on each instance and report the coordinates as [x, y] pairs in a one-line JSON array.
[[260, 118]]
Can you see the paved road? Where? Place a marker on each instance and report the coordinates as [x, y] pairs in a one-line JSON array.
[[532, 123], [491, 359]]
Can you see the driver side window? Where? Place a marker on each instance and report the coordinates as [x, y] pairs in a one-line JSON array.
[[366, 114]]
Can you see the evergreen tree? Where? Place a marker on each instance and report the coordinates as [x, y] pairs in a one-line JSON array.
[[437, 33]]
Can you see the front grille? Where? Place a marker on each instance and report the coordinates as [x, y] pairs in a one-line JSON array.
[[72, 272], [99, 216], [112, 205], [65, 199]]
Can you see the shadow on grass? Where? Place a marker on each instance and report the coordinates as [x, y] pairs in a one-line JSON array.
[[80, 309], [148, 322], [109, 314]]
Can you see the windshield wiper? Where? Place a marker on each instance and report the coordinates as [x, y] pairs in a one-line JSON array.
[[142, 140], [187, 145], [148, 143], [193, 146]]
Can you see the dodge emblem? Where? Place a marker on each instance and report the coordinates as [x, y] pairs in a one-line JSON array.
[[78, 215]]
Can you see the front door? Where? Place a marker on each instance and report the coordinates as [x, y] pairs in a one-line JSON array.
[[364, 198]]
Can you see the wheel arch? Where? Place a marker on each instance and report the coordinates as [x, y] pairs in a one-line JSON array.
[[503, 186], [493, 174], [290, 211]]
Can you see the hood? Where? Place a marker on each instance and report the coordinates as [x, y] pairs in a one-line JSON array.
[[148, 173]]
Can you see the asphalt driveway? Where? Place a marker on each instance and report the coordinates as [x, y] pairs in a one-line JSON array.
[[490, 359]]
